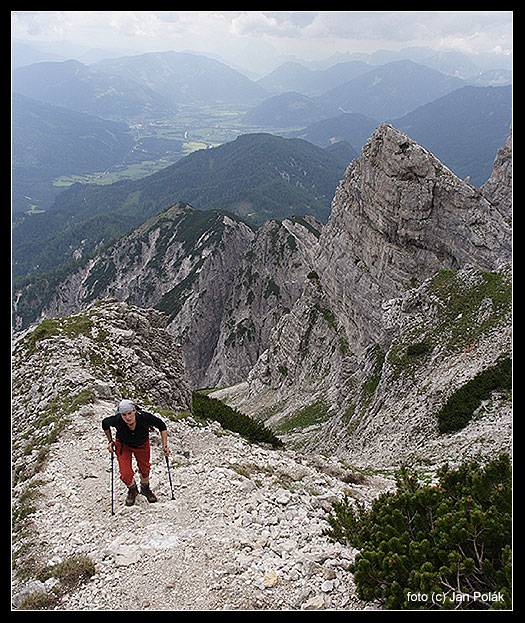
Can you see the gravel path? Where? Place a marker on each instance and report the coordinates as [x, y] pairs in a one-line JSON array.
[[244, 532]]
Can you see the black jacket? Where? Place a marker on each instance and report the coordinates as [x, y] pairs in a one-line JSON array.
[[140, 435]]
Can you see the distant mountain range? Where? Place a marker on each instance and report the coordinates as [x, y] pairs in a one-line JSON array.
[[72, 85], [262, 176], [478, 69], [288, 110], [184, 77], [380, 93], [296, 77], [257, 177], [148, 85], [390, 90], [464, 128], [155, 85]]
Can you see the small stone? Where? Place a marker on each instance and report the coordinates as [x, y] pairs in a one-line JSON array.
[[314, 603], [126, 556], [327, 586], [270, 579]]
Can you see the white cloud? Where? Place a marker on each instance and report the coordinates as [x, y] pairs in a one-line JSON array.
[[264, 24], [307, 34]]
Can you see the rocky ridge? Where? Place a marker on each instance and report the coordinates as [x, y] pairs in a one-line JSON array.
[[399, 220], [222, 285], [245, 527]]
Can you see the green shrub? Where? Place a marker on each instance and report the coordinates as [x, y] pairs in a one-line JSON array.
[[434, 547], [39, 601], [459, 408], [207, 408]]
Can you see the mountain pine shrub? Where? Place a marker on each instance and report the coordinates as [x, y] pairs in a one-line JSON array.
[[207, 408], [459, 408], [446, 546]]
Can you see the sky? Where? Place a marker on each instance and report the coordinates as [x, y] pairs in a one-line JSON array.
[[260, 40]]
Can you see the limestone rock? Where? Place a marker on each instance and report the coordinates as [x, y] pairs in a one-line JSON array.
[[398, 218]]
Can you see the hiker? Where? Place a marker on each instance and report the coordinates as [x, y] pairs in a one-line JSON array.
[[132, 439]]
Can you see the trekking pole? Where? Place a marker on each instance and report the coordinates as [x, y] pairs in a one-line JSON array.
[[169, 474], [112, 507]]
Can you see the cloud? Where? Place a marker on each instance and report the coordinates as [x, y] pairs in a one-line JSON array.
[[267, 24], [311, 34], [134, 24]]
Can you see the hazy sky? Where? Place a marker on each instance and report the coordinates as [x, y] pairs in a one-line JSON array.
[[245, 37]]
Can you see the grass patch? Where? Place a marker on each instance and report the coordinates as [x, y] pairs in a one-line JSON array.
[[71, 573], [313, 414]]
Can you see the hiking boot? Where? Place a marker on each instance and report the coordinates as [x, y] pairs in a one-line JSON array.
[[132, 494], [145, 490]]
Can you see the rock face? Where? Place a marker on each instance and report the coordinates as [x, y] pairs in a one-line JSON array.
[[397, 218], [498, 188], [269, 280]]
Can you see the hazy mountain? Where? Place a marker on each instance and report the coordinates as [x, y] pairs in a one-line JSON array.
[[343, 149], [391, 90], [462, 66], [184, 77], [296, 77], [287, 110], [464, 129], [48, 141], [352, 127], [452, 62], [24, 54], [71, 84], [257, 176]]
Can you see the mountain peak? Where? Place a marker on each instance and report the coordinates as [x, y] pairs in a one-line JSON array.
[[399, 220]]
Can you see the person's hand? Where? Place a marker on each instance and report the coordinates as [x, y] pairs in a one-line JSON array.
[[111, 446], [166, 451]]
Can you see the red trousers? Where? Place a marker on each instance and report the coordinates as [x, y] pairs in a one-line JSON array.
[[124, 455]]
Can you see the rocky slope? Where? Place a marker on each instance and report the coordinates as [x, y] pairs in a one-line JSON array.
[[245, 527], [222, 285]]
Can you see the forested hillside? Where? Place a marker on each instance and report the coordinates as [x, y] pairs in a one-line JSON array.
[[257, 177]]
